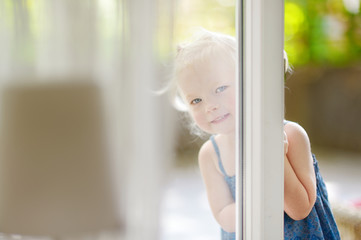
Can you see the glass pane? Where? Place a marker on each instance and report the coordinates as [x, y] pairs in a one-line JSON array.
[[84, 148], [187, 213], [55, 164]]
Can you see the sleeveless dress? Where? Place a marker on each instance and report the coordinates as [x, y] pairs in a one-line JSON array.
[[320, 223], [231, 182]]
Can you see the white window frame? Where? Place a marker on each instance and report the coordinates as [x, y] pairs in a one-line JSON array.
[[260, 195]]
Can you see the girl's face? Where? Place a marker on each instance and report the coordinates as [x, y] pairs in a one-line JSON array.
[[208, 89]]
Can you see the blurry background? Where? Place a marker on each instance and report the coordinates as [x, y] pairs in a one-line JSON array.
[[323, 42], [108, 42], [85, 142]]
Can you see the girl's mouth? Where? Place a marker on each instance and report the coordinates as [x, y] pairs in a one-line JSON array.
[[221, 118]]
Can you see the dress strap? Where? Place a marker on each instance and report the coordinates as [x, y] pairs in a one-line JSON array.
[[218, 155], [285, 122]]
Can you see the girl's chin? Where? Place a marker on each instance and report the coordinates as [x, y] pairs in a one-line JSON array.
[[213, 129], [226, 129]]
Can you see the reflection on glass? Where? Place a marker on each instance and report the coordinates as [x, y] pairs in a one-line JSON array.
[[203, 85], [186, 211], [82, 73]]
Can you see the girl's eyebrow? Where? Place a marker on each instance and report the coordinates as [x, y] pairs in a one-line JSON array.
[[190, 96]]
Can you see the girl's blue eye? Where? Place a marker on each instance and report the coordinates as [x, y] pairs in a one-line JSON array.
[[221, 89], [195, 101]]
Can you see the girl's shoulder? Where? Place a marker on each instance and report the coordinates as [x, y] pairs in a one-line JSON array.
[[298, 142], [295, 130], [207, 156], [206, 151]]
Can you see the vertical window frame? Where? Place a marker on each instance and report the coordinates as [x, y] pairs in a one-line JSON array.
[[260, 157]]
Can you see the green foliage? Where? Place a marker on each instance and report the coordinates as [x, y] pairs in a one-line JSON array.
[[322, 32]]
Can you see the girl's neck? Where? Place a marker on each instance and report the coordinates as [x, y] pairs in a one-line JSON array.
[[229, 139], [226, 144]]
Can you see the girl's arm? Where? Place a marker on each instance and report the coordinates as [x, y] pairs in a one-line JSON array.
[[299, 174], [219, 196]]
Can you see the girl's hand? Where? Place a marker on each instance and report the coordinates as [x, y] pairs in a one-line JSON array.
[[285, 142]]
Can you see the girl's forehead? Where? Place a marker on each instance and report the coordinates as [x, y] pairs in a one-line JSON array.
[[209, 66], [205, 73], [215, 58], [206, 69]]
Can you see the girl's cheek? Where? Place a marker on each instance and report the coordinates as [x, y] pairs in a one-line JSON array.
[[198, 119], [232, 102]]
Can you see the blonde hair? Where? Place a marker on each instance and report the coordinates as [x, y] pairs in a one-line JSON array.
[[202, 46], [287, 68]]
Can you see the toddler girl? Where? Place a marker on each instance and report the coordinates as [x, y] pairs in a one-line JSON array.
[[204, 85]]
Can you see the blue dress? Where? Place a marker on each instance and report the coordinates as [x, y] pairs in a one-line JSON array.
[[320, 223], [231, 182]]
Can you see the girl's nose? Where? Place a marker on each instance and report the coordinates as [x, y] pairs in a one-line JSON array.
[[212, 107]]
